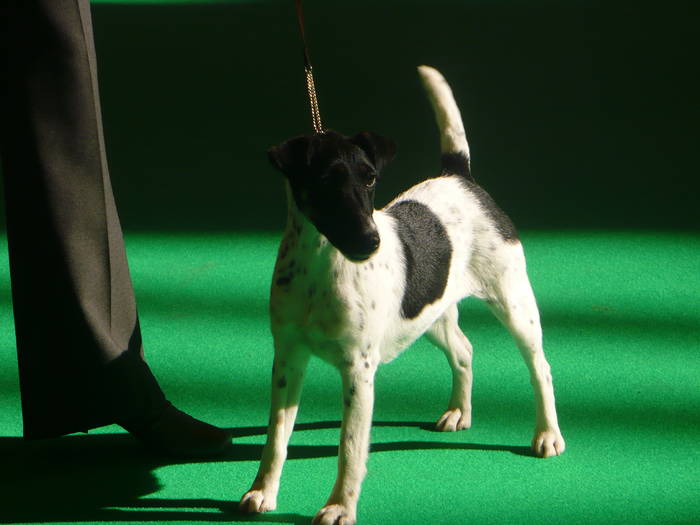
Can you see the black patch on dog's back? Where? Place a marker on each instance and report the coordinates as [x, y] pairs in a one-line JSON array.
[[427, 251], [458, 164], [501, 221]]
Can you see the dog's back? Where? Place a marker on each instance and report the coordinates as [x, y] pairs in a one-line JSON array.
[[456, 166], [450, 213]]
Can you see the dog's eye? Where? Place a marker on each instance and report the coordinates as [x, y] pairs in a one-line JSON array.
[[369, 176]]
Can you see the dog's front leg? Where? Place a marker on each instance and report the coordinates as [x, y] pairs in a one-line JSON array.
[[358, 394], [287, 376]]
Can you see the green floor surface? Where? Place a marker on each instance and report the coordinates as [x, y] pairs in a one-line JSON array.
[[622, 333]]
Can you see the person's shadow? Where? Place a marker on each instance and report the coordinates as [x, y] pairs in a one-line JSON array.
[[103, 477]]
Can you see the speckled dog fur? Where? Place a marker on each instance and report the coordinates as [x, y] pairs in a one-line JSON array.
[[359, 299]]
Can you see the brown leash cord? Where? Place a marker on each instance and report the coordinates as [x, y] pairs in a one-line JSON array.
[[308, 69]]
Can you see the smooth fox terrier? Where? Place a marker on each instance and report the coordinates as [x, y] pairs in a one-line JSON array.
[[355, 286]]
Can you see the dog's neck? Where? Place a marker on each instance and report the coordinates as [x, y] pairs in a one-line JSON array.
[[297, 222], [301, 229]]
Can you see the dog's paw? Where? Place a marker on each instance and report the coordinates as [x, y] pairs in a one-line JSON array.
[[454, 419], [255, 501], [548, 443], [334, 514]]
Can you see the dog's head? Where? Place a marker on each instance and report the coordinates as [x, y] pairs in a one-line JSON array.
[[332, 178]]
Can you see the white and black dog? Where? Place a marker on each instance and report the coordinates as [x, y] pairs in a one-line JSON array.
[[355, 286]]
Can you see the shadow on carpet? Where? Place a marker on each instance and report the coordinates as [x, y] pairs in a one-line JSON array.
[[104, 477]]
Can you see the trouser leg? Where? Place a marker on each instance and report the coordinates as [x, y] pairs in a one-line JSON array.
[[78, 339]]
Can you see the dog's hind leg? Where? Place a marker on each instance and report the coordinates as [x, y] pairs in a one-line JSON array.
[[287, 376], [446, 335], [513, 302]]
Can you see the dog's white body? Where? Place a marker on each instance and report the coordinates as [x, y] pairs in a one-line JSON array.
[[350, 315]]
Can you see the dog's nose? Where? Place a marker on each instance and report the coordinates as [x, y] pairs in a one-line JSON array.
[[373, 241], [365, 246], [369, 239]]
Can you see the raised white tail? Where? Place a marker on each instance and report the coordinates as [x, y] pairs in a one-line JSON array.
[[453, 140]]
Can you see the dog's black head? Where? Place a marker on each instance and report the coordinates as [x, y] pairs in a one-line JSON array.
[[332, 178]]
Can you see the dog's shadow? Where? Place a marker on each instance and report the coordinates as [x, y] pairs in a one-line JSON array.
[[104, 477], [323, 451]]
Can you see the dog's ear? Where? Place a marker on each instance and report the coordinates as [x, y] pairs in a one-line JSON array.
[[292, 155], [380, 150]]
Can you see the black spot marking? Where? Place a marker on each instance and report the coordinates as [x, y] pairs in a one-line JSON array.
[[366, 364], [427, 251], [283, 280], [282, 382], [347, 402], [456, 164], [501, 221]]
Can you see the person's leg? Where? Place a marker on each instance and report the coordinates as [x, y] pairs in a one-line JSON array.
[[78, 339]]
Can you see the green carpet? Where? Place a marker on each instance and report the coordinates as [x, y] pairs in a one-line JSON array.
[[622, 333]]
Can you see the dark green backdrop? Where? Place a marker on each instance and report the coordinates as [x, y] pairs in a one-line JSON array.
[[579, 114]]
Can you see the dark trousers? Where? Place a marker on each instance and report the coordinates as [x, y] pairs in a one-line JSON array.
[[78, 341]]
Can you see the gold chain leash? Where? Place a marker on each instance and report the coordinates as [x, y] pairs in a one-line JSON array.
[[315, 113], [308, 70]]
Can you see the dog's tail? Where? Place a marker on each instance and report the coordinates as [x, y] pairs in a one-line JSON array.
[[453, 140]]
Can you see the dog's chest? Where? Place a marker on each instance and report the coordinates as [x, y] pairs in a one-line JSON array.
[[322, 301], [304, 304]]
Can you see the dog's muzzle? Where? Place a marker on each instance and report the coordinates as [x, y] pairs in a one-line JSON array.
[[364, 247]]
